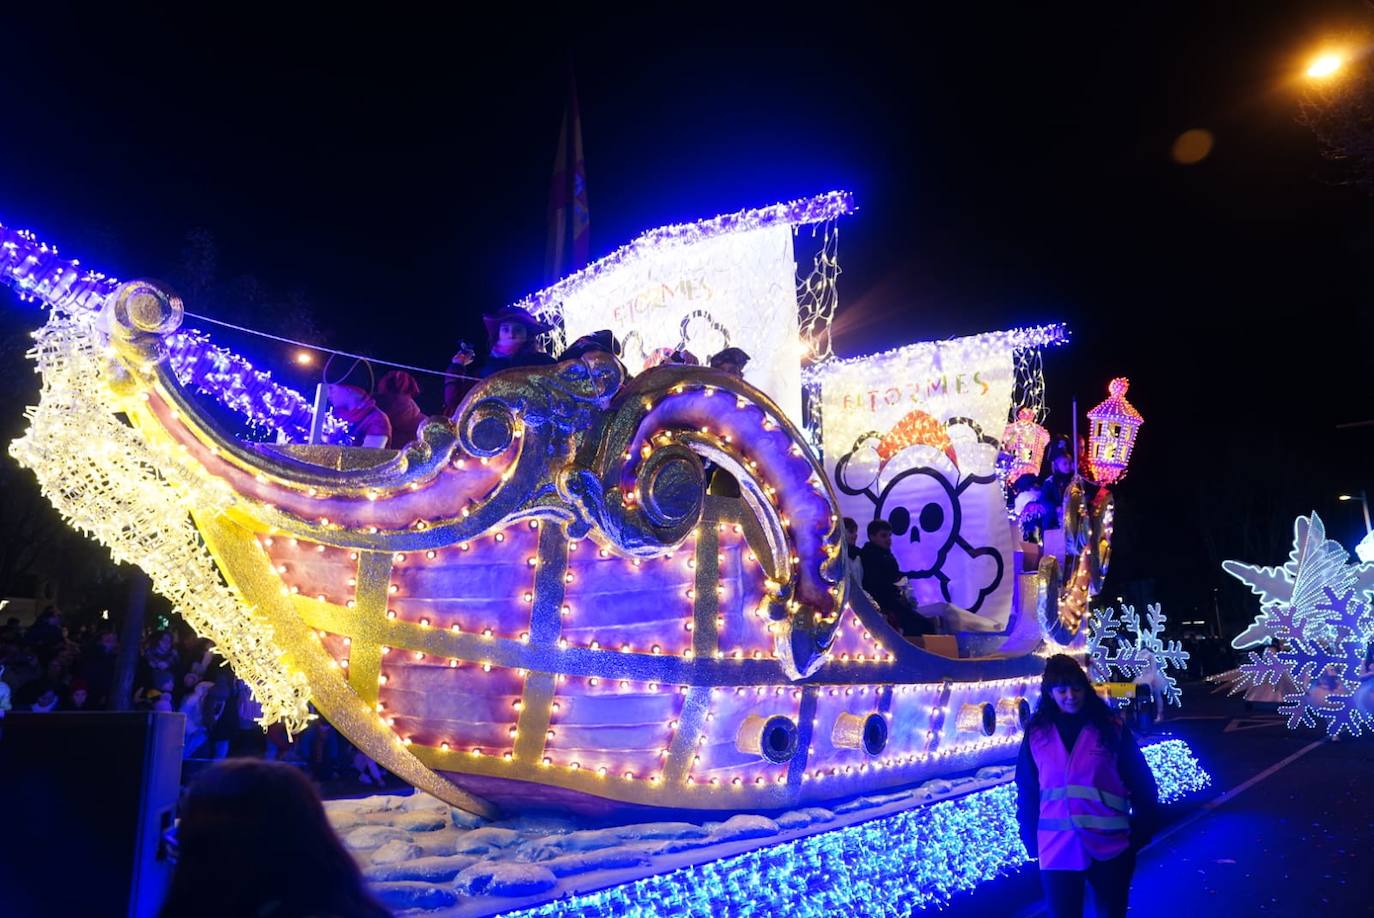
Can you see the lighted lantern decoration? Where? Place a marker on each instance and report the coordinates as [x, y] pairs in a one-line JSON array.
[[1112, 433], [1025, 441]]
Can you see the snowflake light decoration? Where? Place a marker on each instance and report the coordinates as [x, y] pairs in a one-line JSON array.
[[1134, 652], [1316, 615]]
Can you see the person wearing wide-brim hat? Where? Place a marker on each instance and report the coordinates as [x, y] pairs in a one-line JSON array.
[[731, 360], [511, 331], [601, 340]]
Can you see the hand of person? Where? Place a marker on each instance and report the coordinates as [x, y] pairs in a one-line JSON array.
[[465, 354]]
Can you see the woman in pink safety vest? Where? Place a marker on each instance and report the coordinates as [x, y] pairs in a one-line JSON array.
[[1086, 798]]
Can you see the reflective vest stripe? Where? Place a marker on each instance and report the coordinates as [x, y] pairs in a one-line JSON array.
[[1085, 821], [1086, 792]]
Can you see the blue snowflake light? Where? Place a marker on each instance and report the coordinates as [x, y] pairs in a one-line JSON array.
[[1316, 616], [1132, 654], [889, 866]]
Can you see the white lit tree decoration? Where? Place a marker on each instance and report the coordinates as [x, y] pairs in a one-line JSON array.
[[1316, 616], [1130, 654]]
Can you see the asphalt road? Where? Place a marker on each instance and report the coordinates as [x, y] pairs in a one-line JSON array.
[[1287, 827]]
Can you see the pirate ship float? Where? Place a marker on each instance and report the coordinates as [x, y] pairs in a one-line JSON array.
[[536, 603]]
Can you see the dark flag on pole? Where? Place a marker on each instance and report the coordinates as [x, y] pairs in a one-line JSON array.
[[569, 220]]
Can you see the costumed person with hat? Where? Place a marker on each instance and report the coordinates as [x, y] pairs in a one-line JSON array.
[[511, 332], [598, 341], [718, 481], [1086, 798], [731, 360]]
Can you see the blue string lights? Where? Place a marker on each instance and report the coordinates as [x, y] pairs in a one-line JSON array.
[[897, 864], [238, 385], [37, 272]]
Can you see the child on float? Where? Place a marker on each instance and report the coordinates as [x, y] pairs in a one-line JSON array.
[[1086, 798], [396, 392], [511, 333]]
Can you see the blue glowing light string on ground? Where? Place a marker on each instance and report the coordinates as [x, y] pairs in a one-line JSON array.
[[893, 865]]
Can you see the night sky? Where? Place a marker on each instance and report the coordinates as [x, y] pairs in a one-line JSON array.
[[1011, 166]]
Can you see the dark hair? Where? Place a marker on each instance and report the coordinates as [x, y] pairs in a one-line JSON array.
[[1025, 483], [850, 524], [878, 526], [1062, 669], [254, 840]]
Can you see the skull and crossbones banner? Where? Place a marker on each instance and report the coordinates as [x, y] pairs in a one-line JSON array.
[[910, 437]]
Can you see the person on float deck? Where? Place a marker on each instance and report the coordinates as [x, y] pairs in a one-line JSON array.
[[882, 579], [511, 332], [396, 393], [1055, 485], [1086, 799], [731, 361], [851, 538], [601, 341], [367, 424]]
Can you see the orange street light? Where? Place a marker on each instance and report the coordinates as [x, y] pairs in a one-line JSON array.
[[1325, 65]]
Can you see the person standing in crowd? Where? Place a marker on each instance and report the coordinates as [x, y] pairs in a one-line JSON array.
[[160, 654], [395, 397], [45, 634], [1086, 798], [367, 424], [884, 581], [511, 332], [97, 667], [253, 839]]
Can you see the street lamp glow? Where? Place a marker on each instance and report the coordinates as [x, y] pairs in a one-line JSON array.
[[1324, 65], [305, 358], [1345, 497]]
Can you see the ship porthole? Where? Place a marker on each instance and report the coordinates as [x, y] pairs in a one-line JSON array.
[[875, 733], [779, 739], [774, 738], [860, 731], [978, 718]]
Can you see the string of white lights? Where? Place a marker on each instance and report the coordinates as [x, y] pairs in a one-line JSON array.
[[111, 482]]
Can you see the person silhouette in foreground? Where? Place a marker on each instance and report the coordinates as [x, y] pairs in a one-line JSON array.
[[253, 840], [1086, 798]]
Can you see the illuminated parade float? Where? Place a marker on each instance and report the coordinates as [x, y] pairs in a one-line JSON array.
[[537, 605]]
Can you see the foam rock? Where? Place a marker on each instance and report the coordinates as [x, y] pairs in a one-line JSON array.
[[442, 843], [538, 826], [745, 826], [661, 830], [505, 879], [422, 820], [604, 859], [395, 851], [414, 895], [462, 819], [369, 837], [486, 838], [426, 869], [798, 819]]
